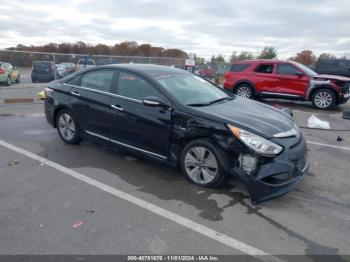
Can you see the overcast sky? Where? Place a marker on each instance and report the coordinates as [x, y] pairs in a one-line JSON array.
[[204, 27]]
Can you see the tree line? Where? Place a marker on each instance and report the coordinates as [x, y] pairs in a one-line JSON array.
[[126, 48]]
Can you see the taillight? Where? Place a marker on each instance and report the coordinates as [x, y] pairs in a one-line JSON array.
[[48, 91], [2, 71]]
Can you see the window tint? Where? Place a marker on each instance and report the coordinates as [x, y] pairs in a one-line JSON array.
[[239, 67], [264, 68], [287, 69], [132, 86], [98, 79], [74, 81]]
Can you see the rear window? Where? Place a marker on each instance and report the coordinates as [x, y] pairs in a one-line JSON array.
[[42, 64], [239, 67], [86, 62]]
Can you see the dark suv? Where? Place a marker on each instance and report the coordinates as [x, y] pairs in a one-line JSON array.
[[340, 67], [287, 80], [43, 71], [177, 117]]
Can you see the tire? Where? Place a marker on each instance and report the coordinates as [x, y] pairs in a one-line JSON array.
[[18, 80], [202, 165], [323, 99], [8, 81], [67, 127], [244, 90]]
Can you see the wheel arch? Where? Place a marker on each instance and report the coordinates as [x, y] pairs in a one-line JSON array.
[[244, 81]]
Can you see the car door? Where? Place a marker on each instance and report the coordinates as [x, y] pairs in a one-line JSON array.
[[90, 101], [135, 125], [266, 80], [292, 81]]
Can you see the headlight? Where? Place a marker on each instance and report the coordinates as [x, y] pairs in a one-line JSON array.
[[255, 142]]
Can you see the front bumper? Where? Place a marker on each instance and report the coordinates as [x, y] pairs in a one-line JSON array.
[[344, 99], [278, 175]]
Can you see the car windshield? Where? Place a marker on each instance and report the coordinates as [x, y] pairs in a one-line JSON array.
[[306, 69], [190, 89]]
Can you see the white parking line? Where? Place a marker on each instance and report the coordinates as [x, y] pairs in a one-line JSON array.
[[199, 228], [328, 145]]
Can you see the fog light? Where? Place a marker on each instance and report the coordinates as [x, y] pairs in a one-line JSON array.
[[248, 163]]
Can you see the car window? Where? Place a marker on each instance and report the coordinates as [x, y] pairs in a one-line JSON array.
[[86, 62], [132, 86], [100, 80], [287, 69], [264, 68], [239, 67], [75, 81]]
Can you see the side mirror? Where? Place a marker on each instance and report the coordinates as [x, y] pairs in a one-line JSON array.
[[300, 74], [155, 102]]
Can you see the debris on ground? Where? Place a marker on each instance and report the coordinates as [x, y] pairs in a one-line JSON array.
[[12, 163], [90, 211], [339, 139], [314, 122], [346, 115], [41, 225], [78, 224], [130, 158]]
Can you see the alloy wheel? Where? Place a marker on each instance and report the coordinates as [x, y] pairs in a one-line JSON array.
[[201, 165], [323, 99], [66, 126], [244, 91]]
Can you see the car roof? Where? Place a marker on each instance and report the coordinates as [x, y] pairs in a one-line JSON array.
[[263, 61], [146, 68]]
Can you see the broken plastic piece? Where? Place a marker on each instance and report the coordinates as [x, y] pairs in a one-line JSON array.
[[339, 139], [314, 122], [78, 224], [12, 163]]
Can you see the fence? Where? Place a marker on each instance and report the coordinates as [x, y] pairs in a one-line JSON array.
[[23, 61]]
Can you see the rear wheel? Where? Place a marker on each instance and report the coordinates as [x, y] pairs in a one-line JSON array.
[[200, 163], [244, 90], [67, 127], [323, 99]]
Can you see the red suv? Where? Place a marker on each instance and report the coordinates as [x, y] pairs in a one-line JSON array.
[[287, 80]]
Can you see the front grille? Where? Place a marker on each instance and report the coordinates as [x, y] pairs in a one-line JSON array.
[[301, 163]]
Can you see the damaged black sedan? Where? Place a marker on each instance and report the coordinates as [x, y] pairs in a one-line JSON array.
[[174, 116]]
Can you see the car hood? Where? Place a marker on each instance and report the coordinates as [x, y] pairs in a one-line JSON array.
[[250, 115], [332, 77]]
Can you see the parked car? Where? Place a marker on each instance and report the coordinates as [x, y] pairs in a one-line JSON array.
[[43, 71], [8, 74], [340, 67], [287, 80], [205, 71], [174, 116], [85, 63], [70, 67], [61, 71]]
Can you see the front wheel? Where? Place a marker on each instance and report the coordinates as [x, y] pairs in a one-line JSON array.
[[201, 164], [323, 99], [244, 90], [67, 127]]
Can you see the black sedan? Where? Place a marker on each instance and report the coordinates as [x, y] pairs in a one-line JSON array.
[[174, 116]]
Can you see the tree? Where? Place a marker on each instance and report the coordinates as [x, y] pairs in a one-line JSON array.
[[305, 57], [217, 59], [269, 52], [327, 56], [241, 56]]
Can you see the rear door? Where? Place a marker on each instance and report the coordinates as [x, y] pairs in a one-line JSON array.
[[290, 83], [90, 100], [266, 80], [135, 125]]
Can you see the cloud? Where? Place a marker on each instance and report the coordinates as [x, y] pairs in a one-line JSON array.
[[205, 27]]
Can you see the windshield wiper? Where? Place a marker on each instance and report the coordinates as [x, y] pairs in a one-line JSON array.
[[218, 100], [199, 104]]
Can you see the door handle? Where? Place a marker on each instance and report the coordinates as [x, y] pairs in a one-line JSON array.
[[75, 93], [117, 107]]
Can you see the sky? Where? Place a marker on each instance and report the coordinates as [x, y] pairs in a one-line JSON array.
[[203, 27]]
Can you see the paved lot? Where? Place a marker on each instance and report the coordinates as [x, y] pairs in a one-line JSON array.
[[40, 204]]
